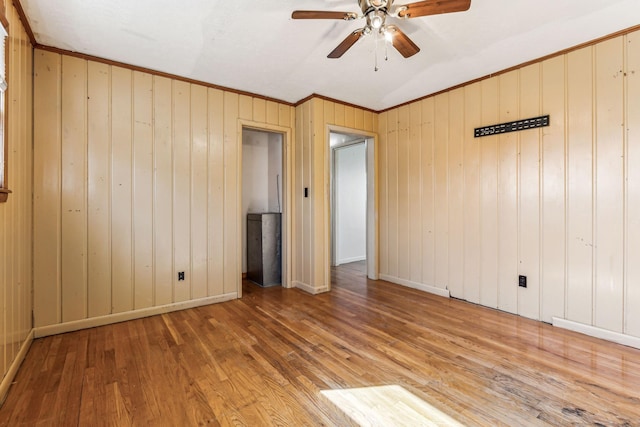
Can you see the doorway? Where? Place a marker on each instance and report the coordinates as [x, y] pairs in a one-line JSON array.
[[353, 232], [262, 200], [349, 202]]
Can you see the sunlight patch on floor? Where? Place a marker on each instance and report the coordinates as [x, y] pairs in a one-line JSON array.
[[389, 405]]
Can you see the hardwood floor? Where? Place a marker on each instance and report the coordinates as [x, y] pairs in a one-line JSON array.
[[264, 360]]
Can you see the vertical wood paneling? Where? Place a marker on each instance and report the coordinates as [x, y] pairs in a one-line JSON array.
[[199, 202], [428, 193], [349, 117], [471, 214], [152, 164], [182, 190], [260, 110], [300, 201], [74, 197], [329, 109], [632, 250], [319, 192], [414, 194], [553, 190], [285, 113], [609, 179], [143, 220], [508, 195], [98, 186], [580, 185], [216, 192], [441, 190], [307, 205], [4, 289], [456, 190], [13, 236], [47, 189], [163, 271], [231, 190], [368, 121], [121, 191], [17, 213], [359, 119], [245, 107], [393, 191], [533, 184], [383, 195], [272, 113], [339, 118], [27, 100], [529, 196], [403, 192], [4, 286], [557, 204], [489, 198], [7, 218]]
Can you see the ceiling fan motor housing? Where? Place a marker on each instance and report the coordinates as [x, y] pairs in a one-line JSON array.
[[376, 13], [371, 5]]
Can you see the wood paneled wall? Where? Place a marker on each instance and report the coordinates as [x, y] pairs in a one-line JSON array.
[[311, 214], [136, 179], [16, 213], [560, 204]]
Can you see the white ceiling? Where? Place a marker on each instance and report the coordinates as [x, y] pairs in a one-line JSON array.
[[255, 46]]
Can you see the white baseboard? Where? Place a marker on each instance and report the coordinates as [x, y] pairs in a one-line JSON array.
[[308, 288], [93, 322], [415, 285], [352, 259], [596, 332], [13, 369]]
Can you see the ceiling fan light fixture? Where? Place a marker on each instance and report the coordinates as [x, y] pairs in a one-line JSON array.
[[376, 19], [376, 12]]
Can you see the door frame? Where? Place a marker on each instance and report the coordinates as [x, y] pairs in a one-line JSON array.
[[287, 223], [371, 141]]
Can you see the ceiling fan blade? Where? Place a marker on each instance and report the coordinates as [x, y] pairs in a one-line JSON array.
[[346, 44], [402, 42], [323, 14], [433, 7]]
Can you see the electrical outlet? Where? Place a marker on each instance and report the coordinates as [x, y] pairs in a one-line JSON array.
[[180, 275], [522, 281]]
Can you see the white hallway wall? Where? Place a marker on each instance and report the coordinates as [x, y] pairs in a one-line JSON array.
[[351, 203]]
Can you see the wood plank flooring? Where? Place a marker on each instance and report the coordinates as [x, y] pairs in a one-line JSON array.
[[264, 360]]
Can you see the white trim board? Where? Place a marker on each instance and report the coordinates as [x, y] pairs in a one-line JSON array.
[[93, 322], [596, 332], [309, 289], [349, 260], [419, 286], [15, 365]]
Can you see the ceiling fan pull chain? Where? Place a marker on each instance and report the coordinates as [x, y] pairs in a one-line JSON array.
[[386, 48], [376, 53]]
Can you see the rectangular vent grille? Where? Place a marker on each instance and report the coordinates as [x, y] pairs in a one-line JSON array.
[[535, 122]]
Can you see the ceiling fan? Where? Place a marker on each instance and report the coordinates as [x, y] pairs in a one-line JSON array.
[[376, 13]]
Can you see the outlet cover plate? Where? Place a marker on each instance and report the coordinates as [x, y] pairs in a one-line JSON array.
[[522, 281]]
